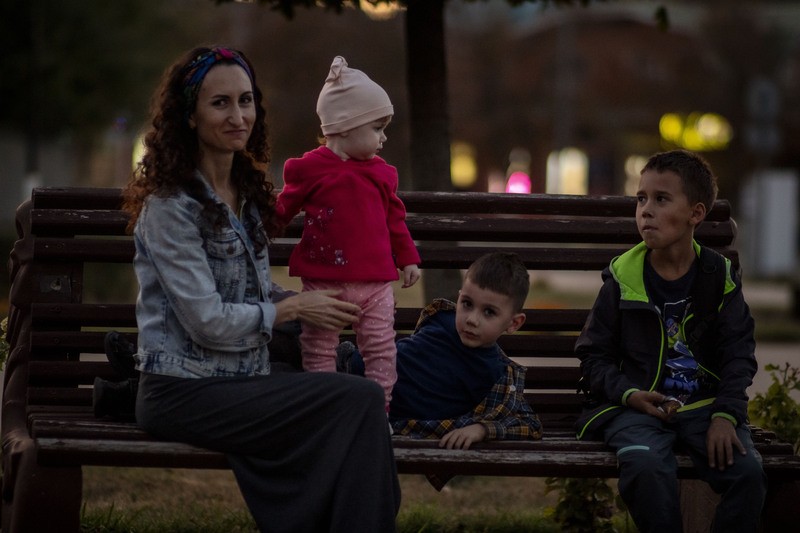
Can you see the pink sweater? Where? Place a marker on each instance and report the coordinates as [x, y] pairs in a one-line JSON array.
[[354, 228]]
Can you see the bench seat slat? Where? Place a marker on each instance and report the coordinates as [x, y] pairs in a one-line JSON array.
[[81, 424], [536, 461]]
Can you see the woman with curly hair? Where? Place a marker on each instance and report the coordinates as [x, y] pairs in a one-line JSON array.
[[310, 451]]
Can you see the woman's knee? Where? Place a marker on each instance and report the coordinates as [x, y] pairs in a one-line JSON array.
[[367, 390]]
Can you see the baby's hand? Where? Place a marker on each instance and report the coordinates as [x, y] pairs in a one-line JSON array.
[[410, 275]]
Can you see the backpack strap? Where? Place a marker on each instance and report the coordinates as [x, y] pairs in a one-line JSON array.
[[707, 293]]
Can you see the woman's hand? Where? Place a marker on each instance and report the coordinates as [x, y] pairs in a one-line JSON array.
[[318, 308]]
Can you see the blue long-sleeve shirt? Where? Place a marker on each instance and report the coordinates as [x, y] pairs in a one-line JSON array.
[[443, 385]]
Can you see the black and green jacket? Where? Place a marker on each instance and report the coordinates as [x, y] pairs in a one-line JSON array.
[[623, 345]]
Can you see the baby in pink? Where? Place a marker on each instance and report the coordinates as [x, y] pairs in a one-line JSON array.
[[354, 234]]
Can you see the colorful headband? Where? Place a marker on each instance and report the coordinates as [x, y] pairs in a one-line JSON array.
[[196, 72]]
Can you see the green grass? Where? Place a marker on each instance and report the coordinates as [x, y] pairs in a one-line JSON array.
[[182, 501], [416, 519], [184, 520], [143, 500]]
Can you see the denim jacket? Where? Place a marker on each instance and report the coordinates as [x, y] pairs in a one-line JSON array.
[[205, 298]]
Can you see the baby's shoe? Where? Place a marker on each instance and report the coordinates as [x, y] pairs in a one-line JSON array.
[[343, 354], [116, 399], [119, 352]]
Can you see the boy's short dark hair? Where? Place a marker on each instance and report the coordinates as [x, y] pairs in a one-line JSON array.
[[503, 273], [699, 182]]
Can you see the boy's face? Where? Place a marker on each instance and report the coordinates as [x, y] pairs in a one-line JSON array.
[[483, 315], [664, 216]]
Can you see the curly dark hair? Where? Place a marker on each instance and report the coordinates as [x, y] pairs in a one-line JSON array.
[[172, 154]]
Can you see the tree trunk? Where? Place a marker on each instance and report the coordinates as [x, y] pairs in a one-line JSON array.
[[430, 136], [427, 90]]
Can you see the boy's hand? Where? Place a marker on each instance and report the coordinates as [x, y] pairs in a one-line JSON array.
[[648, 402], [462, 438], [720, 441], [410, 275]]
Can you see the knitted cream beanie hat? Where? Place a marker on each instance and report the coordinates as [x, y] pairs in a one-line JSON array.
[[350, 99]]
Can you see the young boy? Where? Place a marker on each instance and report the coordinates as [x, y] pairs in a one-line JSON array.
[[453, 380], [664, 364]]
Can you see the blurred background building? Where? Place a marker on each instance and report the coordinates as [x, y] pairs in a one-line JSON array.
[[565, 100]]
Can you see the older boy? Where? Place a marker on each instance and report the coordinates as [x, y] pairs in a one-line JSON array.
[[454, 382], [665, 363]]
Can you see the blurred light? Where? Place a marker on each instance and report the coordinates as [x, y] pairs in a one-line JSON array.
[[714, 128], [380, 10], [518, 183], [463, 169], [120, 124], [138, 150], [702, 132], [633, 169], [567, 172], [496, 181], [671, 126]]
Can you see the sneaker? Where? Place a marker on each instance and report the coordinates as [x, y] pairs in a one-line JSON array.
[[343, 354], [119, 352]]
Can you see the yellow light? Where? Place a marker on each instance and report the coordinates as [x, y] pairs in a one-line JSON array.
[[671, 127], [691, 140], [138, 150], [463, 169], [697, 131], [380, 10], [714, 129]]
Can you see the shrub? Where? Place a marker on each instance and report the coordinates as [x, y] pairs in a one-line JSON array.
[[776, 409], [584, 505]]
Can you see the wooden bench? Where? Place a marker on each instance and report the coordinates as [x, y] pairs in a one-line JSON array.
[[70, 239]]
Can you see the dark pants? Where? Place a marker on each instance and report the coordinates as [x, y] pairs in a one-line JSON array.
[[311, 451], [648, 480]]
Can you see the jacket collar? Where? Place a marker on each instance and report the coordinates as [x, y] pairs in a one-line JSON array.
[[628, 271]]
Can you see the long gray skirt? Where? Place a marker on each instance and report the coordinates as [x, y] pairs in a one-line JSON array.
[[310, 451]]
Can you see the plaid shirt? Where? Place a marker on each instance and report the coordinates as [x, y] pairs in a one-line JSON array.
[[504, 412]]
